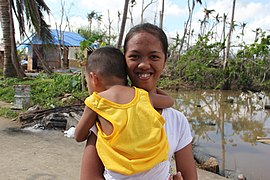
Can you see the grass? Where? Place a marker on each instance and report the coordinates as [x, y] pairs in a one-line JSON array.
[[46, 91], [8, 113]]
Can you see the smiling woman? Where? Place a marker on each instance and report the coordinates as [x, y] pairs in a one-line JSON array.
[[145, 50]]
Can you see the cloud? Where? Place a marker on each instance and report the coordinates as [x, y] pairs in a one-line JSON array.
[[254, 13], [172, 9]]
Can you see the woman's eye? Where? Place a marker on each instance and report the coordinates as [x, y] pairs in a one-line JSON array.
[[154, 57], [133, 57]]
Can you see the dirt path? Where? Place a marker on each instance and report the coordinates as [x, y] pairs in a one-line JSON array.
[[45, 155]]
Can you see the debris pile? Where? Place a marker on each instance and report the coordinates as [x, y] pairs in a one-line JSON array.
[[56, 118]]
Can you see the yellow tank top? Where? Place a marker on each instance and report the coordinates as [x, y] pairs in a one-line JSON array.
[[138, 141]]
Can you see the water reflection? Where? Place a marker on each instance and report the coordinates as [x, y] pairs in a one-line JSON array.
[[226, 124]]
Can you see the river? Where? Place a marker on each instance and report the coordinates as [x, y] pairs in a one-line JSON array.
[[225, 124]]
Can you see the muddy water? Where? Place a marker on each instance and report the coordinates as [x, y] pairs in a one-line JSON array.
[[226, 124]]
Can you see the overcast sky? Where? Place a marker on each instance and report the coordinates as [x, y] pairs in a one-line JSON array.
[[255, 13]]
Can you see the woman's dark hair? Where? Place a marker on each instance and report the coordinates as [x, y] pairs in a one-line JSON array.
[[152, 29]]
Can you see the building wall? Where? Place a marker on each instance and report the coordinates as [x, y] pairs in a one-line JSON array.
[[72, 57], [51, 55]]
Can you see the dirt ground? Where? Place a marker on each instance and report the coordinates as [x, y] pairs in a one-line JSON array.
[[44, 155]]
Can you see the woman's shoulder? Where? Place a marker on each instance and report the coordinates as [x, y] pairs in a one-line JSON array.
[[172, 113], [174, 117]]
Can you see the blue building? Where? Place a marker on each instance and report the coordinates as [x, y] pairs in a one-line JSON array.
[[58, 54]]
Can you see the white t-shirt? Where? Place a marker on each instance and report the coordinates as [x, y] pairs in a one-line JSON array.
[[178, 134]]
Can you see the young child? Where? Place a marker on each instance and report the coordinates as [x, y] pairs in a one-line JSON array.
[[131, 138]]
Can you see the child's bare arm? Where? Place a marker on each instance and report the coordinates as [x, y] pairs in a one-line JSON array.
[[161, 99], [87, 120], [161, 92]]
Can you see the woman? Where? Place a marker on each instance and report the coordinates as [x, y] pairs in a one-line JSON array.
[[145, 49]]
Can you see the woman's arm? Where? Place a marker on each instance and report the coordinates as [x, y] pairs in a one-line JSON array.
[[185, 163], [92, 167], [87, 120]]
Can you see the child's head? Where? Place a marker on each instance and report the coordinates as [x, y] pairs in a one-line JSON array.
[[106, 66]]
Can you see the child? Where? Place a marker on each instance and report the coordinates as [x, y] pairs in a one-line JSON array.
[[131, 138]]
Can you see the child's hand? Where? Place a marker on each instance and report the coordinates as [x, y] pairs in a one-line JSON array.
[[177, 176]]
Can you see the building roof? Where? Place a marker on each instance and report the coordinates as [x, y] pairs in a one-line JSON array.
[[70, 39]]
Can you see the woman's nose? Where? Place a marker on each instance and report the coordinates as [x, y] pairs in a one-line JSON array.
[[144, 64]]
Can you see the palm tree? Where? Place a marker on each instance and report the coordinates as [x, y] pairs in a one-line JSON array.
[[99, 20], [32, 11], [9, 70], [92, 15], [207, 13]]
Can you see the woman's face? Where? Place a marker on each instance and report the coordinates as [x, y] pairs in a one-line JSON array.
[[145, 60]]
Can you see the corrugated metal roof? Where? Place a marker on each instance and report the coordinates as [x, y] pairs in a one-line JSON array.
[[70, 39]]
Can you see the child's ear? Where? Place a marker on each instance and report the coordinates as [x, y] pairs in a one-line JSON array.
[[94, 78]]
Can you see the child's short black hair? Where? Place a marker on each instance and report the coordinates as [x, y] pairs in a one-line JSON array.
[[108, 61]]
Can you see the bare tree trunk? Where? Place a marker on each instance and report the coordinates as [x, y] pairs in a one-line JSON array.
[[190, 22], [123, 25], [226, 84], [187, 24], [110, 27], [229, 38], [131, 17], [161, 15], [60, 35], [142, 12], [224, 36], [144, 8]]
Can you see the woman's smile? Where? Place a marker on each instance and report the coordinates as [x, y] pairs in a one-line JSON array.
[[144, 76]]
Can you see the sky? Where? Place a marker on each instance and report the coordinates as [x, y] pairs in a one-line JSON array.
[[253, 12]]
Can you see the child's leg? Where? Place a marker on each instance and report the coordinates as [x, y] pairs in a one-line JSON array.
[[92, 167]]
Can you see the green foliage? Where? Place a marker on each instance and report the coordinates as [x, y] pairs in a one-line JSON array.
[[166, 82], [46, 91], [252, 63], [8, 113], [201, 66], [197, 65], [6, 89], [96, 36]]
